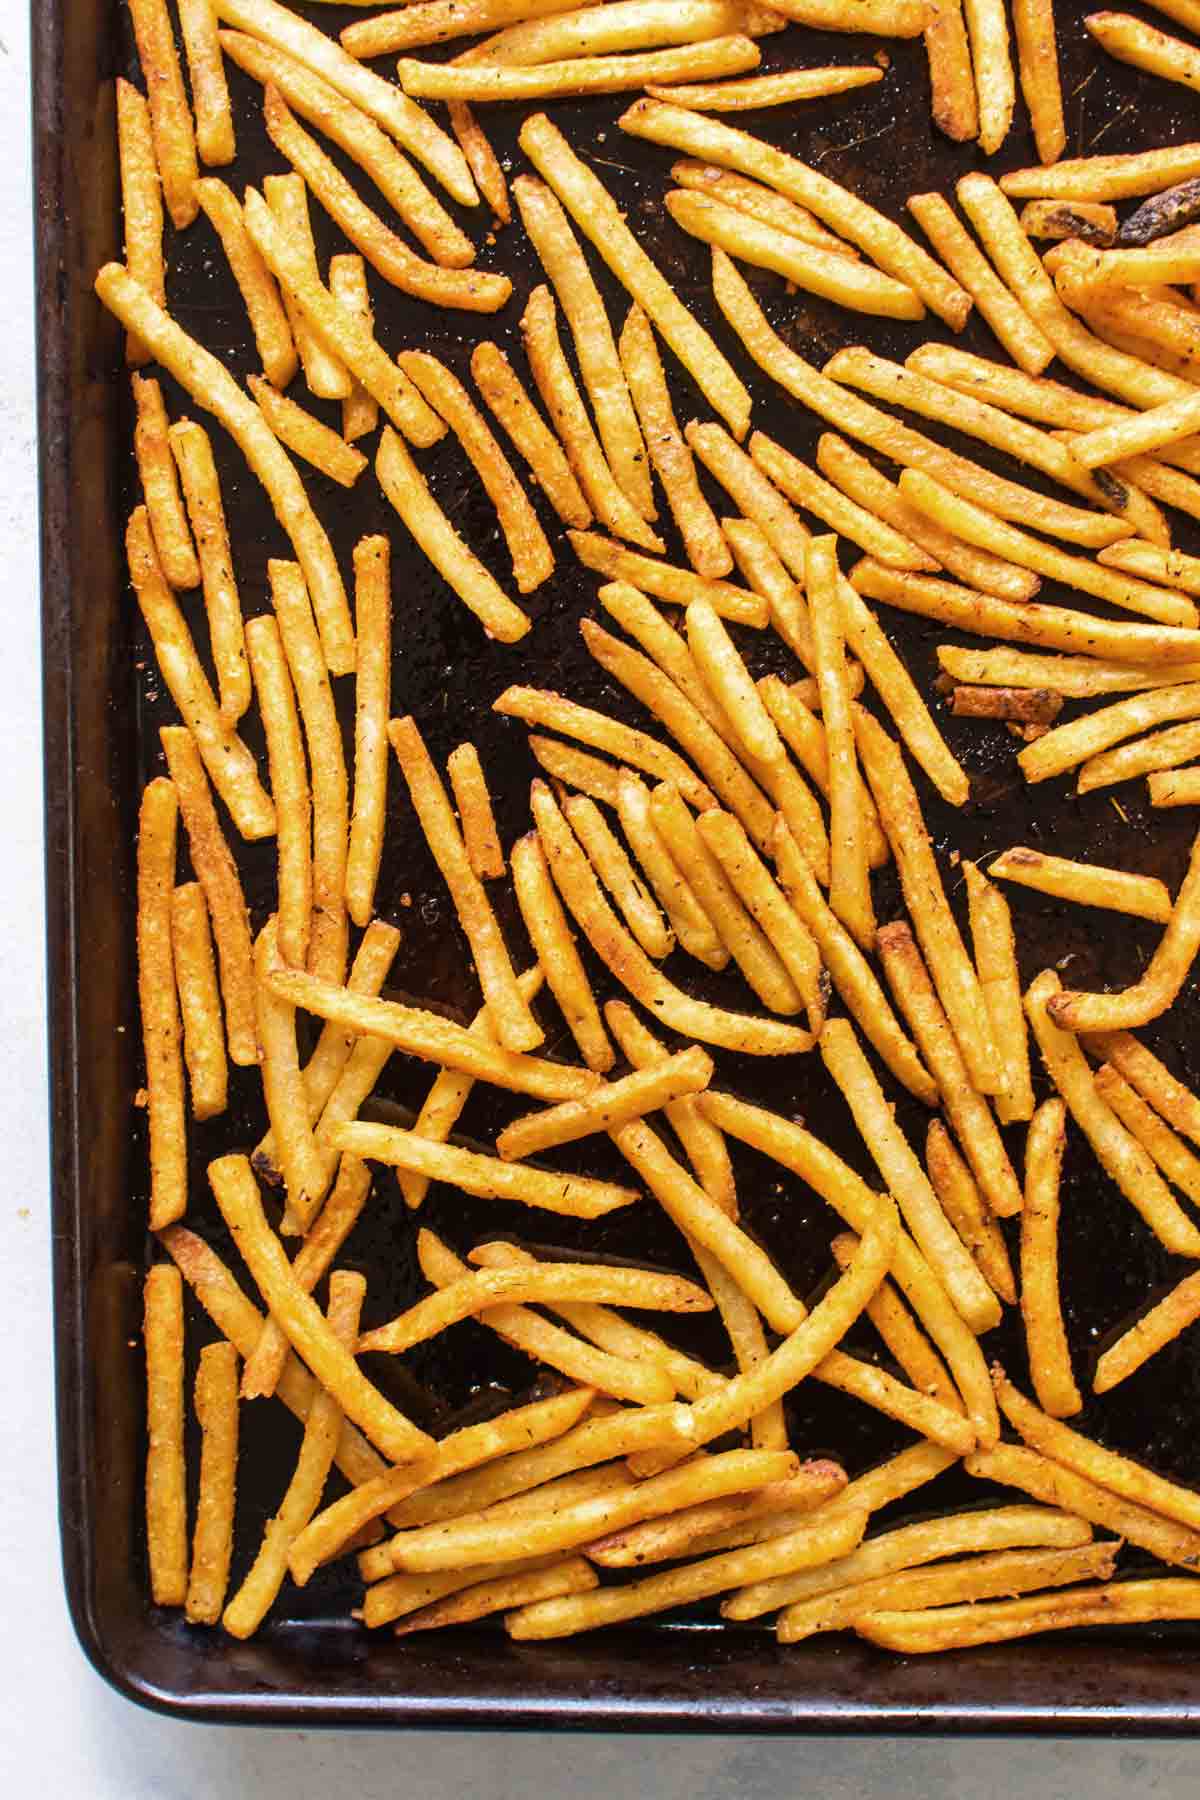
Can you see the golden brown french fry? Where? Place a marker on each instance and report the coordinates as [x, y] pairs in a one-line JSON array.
[[348, 285], [670, 456], [406, 488], [575, 768], [540, 707], [160, 485], [1079, 741], [215, 139], [1041, 1305], [726, 838], [1026, 344], [166, 1487], [554, 946], [532, 558], [1151, 1078], [850, 881], [804, 735], [212, 1542], [721, 667], [693, 929], [801, 485], [469, 787], [355, 132], [846, 281], [997, 1621], [294, 1147], [766, 90], [192, 451], [596, 214], [578, 75], [612, 1105], [608, 858], [677, 586], [1117, 1151], [852, 218], [1134, 41], [887, 18], [436, 21], [995, 85], [660, 1540], [510, 404], [141, 202], [1037, 58], [955, 105], [1073, 677], [400, 117], [635, 25], [599, 364], [309, 437], [765, 573], [1107, 177], [996, 964], [1171, 568], [1118, 890], [158, 1003], [1149, 1334], [199, 1001], [567, 1575], [487, 1177], [968, 1212], [905, 1178], [286, 197], [966, 1108], [372, 698], [268, 317], [170, 114], [212, 387], [704, 1144], [1174, 788], [762, 203], [1171, 1154], [905, 1340], [289, 783]]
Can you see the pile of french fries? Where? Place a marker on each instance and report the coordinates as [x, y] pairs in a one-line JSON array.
[[740, 824]]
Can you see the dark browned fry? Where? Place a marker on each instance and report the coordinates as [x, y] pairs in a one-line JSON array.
[[1032, 706]]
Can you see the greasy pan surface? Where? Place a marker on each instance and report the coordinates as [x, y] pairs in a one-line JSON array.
[[104, 703]]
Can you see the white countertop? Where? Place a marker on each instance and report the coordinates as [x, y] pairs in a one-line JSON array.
[[62, 1732]]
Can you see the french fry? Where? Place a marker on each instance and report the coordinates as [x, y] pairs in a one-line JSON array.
[[400, 1596], [199, 1001], [611, 1106], [958, 984], [327, 1064], [955, 106], [885, 243], [1177, 788], [289, 783], [1151, 1079], [1170, 568], [554, 946], [160, 485], [910, 1547], [166, 1489], [670, 456], [973, 1578], [309, 1334], [215, 139], [886, 18], [1133, 41], [212, 1542], [908, 387], [158, 1003], [211, 386], [666, 646], [570, 1575], [901, 1336], [355, 132], [721, 667], [996, 965], [929, 1418], [436, 21], [330, 787], [513, 408], [762, 503], [400, 117], [1073, 677], [803, 1548], [170, 114], [648, 1384], [995, 86], [760, 963], [846, 281], [576, 769], [990, 533], [1088, 220], [687, 918], [801, 485], [603, 375], [1107, 177], [372, 698], [578, 75], [1041, 84], [763, 569], [1028, 706], [482, 160], [766, 90], [1172, 1155], [1117, 1151], [249, 1605], [283, 1092], [597, 216], [968, 1112], [532, 557], [1086, 883], [660, 1540], [1148, 1335], [608, 858], [141, 202], [747, 1340], [804, 735], [469, 787], [791, 939], [905, 1178], [406, 488], [541, 1283], [516, 1026], [286, 197], [217, 875], [636, 25], [850, 886], [239, 1320], [561, 397], [679, 587], [192, 451], [268, 318], [307, 436], [1041, 1305], [1069, 745], [762, 203], [1121, 642], [996, 1621], [967, 1211], [703, 1143]]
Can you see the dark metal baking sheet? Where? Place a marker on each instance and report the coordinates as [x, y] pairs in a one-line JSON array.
[[102, 707]]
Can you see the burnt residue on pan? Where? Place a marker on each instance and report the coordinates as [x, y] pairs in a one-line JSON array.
[[104, 704]]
